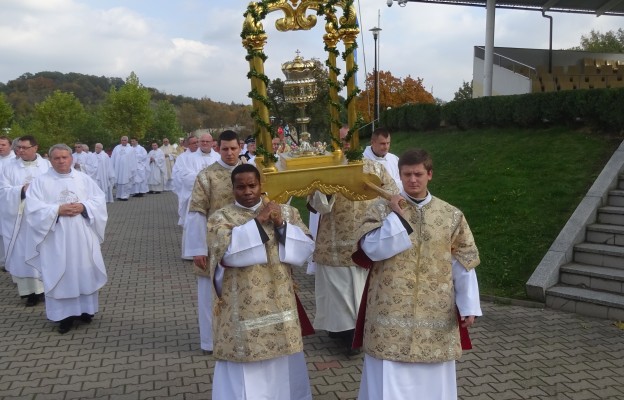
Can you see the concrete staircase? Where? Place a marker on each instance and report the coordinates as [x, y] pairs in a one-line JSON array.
[[593, 283]]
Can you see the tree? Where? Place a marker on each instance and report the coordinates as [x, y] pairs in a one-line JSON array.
[[464, 92], [58, 119], [610, 42], [164, 122], [127, 111], [393, 92], [6, 112]]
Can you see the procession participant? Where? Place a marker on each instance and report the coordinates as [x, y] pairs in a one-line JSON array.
[[15, 181], [140, 186], [184, 174], [157, 169], [205, 156], [257, 324], [66, 217], [249, 156], [124, 162], [338, 282], [104, 174], [79, 158], [211, 191], [170, 154], [379, 150], [6, 154], [422, 256]]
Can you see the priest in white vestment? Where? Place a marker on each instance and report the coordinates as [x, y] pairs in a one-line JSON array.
[[257, 321], [379, 150], [211, 191], [79, 158], [184, 177], [103, 173], [124, 162], [17, 176], [422, 255], [66, 217], [157, 168], [170, 154], [140, 187], [6, 154]]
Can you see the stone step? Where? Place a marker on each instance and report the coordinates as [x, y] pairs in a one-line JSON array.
[[611, 215], [592, 277], [588, 302], [605, 234], [616, 198], [601, 255]]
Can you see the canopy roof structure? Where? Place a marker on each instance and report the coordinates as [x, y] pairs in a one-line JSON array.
[[597, 7]]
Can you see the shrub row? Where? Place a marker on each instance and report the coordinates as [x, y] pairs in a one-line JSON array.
[[600, 109]]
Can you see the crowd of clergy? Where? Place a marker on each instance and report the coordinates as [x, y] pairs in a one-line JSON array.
[[394, 276]]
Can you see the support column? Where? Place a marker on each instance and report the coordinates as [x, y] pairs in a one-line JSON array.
[[488, 62]]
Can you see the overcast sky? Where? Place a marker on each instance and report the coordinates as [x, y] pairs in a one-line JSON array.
[[193, 47]]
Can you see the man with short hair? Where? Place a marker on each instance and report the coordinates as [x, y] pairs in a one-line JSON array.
[[204, 157], [379, 150], [66, 217], [6, 154], [249, 156], [157, 165], [211, 191], [79, 158], [103, 174], [422, 288], [257, 323], [124, 162], [140, 187], [170, 154], [15, 181]]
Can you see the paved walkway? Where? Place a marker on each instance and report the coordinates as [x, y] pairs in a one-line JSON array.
[[144, 342]]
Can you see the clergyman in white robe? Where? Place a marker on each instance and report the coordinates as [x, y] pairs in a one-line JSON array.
[[15, 175], [66, 249], [170, 155], [103, 173], [157, 168], [3, 159], [140, 179], [124, 162]]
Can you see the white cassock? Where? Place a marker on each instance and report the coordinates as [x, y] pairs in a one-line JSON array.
[[281, 378], [15, 174], [79, 160], [391, 380], [66, 250], [124, 163], [140, 178], [389, 161], [157, 168], [103, 174], [170, 155], [3, 160]]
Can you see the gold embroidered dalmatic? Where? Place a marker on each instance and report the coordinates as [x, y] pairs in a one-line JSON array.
[[410, 314], [256, 316], [211, 191], [337, 236]]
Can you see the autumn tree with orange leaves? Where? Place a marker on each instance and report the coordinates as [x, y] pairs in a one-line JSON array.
[[393, 92]]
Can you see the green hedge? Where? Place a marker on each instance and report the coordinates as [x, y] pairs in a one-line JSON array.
[[600, 109]]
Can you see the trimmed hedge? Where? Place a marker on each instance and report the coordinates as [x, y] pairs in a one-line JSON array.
[[600, 109]]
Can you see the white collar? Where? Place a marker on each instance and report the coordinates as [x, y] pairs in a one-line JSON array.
[[253, 208]]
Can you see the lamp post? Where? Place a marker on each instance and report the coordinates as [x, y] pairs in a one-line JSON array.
[[376, 31]]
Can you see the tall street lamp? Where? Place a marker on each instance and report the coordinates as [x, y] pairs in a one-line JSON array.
[[376, 31]]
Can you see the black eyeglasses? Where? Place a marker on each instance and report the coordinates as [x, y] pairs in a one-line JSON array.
[[24, 147]]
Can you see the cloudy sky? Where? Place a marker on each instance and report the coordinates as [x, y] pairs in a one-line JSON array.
[[192, 47]]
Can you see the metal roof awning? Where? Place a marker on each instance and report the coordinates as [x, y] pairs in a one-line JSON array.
[[596, 7]]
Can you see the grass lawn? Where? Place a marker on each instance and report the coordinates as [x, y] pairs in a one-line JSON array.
[[517, 189]]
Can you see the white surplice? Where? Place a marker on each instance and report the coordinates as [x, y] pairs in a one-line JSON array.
[[391, 380], [79, 160], [66, 250], [184, 175], [157, 168], [104, 174], [15, 174], [140, 178], [124, 162], [281, 378], [3, 160]]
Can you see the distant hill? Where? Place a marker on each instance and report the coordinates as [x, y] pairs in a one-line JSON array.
[[29, 89]]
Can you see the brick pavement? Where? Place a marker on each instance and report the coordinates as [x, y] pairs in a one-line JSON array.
[[144, 343]]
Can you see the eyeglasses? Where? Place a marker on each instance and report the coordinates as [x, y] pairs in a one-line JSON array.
[[24, 147]]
